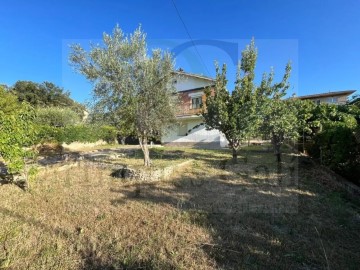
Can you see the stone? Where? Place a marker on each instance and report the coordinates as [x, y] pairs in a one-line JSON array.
[[125, 173]]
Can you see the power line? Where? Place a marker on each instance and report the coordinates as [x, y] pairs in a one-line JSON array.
[[188, 33]]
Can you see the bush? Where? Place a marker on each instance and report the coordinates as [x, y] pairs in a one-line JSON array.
[[109, 134], [336, 146], [56, 117], [77, 133]]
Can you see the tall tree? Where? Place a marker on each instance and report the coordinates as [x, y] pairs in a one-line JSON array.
[[129, 83], [235, 114], [280, 116]]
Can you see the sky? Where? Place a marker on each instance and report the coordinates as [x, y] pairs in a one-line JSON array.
[[321, 38]]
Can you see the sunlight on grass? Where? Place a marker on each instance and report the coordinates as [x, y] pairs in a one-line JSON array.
[[209, 215]]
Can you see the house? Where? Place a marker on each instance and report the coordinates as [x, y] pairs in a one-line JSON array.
[[338, 97], [190, 130]]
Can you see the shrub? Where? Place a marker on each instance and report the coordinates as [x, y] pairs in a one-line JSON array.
[[108, 134], [76, 133], [338, 148], [56, 117]]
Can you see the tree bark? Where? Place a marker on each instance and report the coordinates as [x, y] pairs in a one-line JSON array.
[[145, 148], [234, 155], [234, 144], [278, 157], [277, 145]]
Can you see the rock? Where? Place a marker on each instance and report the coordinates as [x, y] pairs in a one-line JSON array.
[[125, 173]]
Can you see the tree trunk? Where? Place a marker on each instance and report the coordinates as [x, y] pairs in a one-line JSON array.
[[278, 157], [277, 145], [234, 155], [144, 147], [303, 137]]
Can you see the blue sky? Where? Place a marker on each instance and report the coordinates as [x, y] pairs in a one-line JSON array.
[[320, 37]]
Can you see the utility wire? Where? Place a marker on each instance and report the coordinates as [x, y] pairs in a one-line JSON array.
[[188, 33]]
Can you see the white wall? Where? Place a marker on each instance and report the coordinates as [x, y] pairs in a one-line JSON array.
[[187, 83], [198, 135]]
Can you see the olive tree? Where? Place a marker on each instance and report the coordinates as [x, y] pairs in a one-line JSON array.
[[130, 83]]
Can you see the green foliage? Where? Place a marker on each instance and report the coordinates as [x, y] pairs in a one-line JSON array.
[[324, 114], [134, 88], [78, 133], [305, 116], [45, 94], [8, 102], [16, 131], [113, 120], [337, 148], [47, 133], [280, 116], [235, 114], [238, 115], [56, 117], [355, 100], [335, 142], [109, 134]]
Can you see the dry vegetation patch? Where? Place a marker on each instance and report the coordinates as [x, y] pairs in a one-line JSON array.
[[210, 215]]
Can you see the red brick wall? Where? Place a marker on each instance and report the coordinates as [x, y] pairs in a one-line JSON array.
[[185, 103]]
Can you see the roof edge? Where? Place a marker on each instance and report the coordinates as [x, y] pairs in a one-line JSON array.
[[333, 93], [200, 76]]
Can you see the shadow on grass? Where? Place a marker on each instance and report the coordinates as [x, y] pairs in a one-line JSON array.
[[257, 213], [237, 204], [92, 257], [95, 262]]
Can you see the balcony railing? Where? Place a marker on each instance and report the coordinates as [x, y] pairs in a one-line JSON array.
[[188, 111]]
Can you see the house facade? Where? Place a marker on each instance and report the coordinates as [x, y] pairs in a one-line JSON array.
[[338, 97], [190, 129]]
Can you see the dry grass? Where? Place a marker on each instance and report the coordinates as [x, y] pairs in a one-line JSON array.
[[212, 215]]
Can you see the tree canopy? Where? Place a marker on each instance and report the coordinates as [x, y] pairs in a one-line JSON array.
[[239, 114], [132, 87], [279, 115], [45, 94], [234, 114]]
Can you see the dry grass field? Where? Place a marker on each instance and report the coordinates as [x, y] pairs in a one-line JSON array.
[[210, 215]]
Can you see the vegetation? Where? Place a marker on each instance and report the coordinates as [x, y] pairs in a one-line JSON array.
[[234, 114], [17, 131], [305, 112], [214, 213], [57, 117], [77, 133], [211, 215], [335, 141], [45, 94], [239, 114], [134, 88], [280, 116]]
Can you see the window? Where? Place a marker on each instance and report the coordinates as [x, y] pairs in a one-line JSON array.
[[196, 102], [318, 102], [182, 129], [333, 100]]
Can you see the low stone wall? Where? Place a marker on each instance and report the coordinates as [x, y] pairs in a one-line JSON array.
[[200, 145], [148, 174]]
